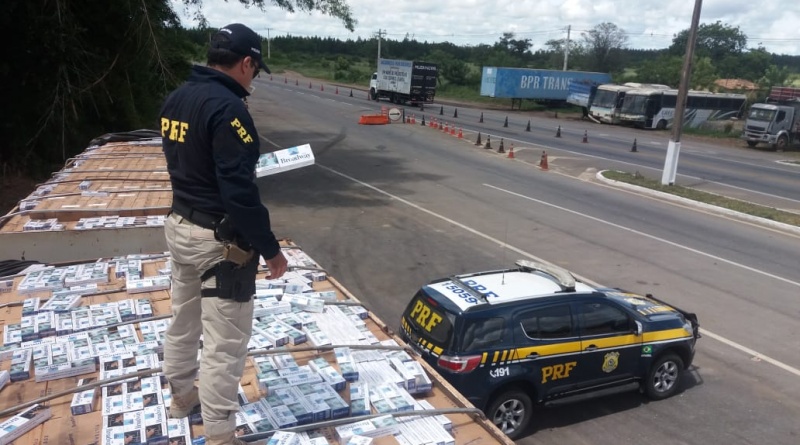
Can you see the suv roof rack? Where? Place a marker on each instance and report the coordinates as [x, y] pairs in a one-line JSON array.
[[564, 277]]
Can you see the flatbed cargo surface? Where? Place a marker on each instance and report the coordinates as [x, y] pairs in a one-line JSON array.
[[65, 428], [122, 188]]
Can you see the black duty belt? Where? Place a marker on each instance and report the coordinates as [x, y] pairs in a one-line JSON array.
[[202, 219]]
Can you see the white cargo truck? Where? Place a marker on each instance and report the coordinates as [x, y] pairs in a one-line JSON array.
[[404, 81]]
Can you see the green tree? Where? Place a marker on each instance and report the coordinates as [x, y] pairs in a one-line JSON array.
[[715, 40], [664, 70], [334, 8], [81, 68], [556, 47], [517, 47], [774, 76], [604, 45], [750, 65], [667, 70]]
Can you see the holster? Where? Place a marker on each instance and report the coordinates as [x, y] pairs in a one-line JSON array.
[[233, 282]]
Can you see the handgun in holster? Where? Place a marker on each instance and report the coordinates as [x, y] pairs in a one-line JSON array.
[[234, 250], [236, 273]]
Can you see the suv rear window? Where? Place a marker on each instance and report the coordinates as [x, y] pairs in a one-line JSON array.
[[429, 320], [482, 334]]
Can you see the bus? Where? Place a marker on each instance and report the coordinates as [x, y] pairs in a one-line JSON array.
[[655, 108], [608, 99]]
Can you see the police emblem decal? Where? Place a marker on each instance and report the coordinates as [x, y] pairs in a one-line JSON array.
[[610, 361]]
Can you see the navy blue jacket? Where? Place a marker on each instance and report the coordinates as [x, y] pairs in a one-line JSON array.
[[212, 146]]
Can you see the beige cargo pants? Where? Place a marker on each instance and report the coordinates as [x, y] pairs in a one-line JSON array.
[[226, 326]]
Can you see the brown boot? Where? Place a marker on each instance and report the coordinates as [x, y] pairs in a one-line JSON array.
[[227, 439], [182, 406]]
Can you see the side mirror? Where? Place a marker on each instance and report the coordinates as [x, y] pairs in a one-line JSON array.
[[639, 328]]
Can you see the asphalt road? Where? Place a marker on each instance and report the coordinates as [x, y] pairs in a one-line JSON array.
[[389, 208]]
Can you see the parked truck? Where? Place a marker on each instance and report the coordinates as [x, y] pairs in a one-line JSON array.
[[544, 85], [404, 81], [776, 122]]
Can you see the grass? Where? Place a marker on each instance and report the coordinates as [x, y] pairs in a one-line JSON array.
[[708, 198]]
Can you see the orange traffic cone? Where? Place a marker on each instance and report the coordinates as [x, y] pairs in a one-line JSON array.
[[337, 90], [453, 130], [446, 129], [413, 119], [460, 134], [511, 152], [585, 136], [543, 161]]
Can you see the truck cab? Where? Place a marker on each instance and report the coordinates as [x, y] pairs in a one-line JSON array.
[[776, 122], [777, 125], [373, 87]]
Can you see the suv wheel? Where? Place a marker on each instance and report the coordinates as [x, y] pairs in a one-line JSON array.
[[664, 377], [511, 412]]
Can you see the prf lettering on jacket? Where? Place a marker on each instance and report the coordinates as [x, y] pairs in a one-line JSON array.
[[177, 129], [241, 131]]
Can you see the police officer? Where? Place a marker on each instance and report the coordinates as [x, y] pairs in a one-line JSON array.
[[216, 231]]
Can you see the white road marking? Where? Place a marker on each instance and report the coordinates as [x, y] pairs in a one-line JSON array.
[[505, 245], [653, 237]]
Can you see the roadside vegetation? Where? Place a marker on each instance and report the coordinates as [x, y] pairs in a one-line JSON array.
[[705, 197]]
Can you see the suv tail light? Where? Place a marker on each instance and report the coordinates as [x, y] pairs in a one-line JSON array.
[[458, 364]]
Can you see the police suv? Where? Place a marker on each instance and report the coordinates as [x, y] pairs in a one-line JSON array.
[[510, 338]]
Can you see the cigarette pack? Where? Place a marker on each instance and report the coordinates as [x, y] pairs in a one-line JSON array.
[[64, 370], [284, 160], [6, 286], [443, 420], [359, 440], [30, 306], [285, 438], [179, 431], [83, 402], [11, 429], [243, 426], [21, 365], [423, 383], [347, 431], [5, 377], [155, 425]]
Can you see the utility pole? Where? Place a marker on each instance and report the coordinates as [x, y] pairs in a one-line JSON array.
[[566, 48], [674, 147], [268, 42], [380, 35]]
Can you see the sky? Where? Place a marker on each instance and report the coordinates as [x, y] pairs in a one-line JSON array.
[[649, 24]]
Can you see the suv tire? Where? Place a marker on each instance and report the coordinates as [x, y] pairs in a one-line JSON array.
[[511, 412], [664, 378]]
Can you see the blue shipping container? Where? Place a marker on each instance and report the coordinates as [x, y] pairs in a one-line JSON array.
[[524, 83]]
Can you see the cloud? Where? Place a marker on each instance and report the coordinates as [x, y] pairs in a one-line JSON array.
[[471, 22]]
